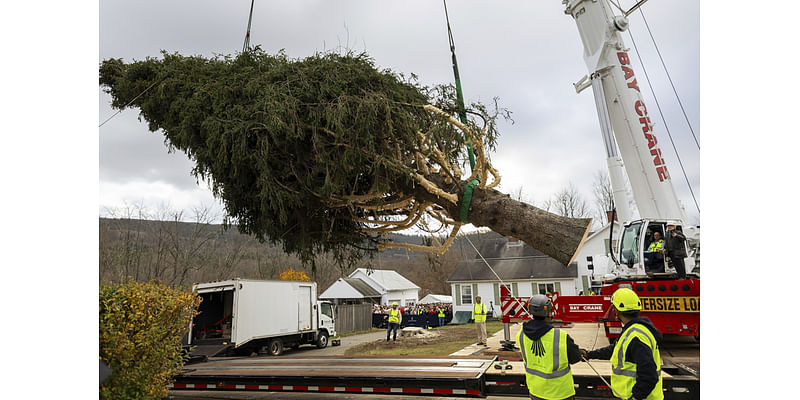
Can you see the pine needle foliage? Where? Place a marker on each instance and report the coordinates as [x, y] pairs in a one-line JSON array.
[[287, 144]]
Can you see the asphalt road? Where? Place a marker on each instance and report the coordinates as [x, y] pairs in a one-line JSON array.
[[347, 342]]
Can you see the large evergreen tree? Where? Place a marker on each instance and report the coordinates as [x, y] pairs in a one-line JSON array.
[[328, 153]]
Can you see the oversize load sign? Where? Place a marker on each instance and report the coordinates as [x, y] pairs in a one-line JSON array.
[[683, 304]]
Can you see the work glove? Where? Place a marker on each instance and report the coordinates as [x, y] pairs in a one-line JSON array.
[[585, 353]]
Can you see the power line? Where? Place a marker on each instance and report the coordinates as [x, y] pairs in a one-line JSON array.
[[129, 103]]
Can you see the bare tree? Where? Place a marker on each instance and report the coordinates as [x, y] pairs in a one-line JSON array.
[[186, 249], [603, 194], [568, 202]]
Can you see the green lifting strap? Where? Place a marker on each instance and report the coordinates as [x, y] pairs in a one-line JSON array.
[[466, 200]]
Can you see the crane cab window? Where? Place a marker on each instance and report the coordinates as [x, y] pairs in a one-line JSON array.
[[629, 251], [655, 243]]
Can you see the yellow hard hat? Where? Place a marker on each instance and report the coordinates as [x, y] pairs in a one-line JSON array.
[[625, 299], [394, 304]]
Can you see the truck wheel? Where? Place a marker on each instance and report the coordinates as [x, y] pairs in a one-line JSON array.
[[275, 347], [322, 340]]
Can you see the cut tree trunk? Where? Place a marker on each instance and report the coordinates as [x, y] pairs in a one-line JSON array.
[[554, 235]]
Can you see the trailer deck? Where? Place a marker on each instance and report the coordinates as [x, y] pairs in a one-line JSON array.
[[472, 373], [446, 375]]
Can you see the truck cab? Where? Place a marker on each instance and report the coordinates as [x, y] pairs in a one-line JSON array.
[[327, 322]]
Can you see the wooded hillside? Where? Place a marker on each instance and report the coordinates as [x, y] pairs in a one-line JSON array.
[[182, 253]]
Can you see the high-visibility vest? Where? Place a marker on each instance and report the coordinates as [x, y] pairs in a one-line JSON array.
[[623, 373], [394, 315], [656, 246], [441, 313], [479, 312], [547, 374], [421, 311]]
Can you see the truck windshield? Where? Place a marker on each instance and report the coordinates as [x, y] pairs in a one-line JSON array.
[[629, 253], [326, 309]]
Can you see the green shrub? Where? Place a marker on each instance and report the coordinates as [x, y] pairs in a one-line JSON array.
[[141, 326]]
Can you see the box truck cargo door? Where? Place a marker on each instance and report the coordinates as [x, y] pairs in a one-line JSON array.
[[304, 309]]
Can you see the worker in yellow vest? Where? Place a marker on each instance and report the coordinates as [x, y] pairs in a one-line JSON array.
[[479, 316], [441, 316], [547, 353], [635, 358], [395, 317], [654, 256]]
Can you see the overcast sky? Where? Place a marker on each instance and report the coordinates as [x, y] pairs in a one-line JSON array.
[[526, 53]]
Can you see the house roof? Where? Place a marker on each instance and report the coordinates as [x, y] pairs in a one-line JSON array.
[[386, 278], [362, 287], [604, 230], [349, 288], [516, 261], [436, 298]]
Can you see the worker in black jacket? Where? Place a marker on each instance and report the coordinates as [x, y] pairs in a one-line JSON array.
[[676, 249], [635, 356], [547, 353]]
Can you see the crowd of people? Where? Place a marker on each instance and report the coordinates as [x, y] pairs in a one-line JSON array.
[[415, 309]]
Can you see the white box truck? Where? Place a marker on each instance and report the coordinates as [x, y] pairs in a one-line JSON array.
[[248, 316]]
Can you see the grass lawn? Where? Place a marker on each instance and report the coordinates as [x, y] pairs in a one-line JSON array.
[[451, 339]]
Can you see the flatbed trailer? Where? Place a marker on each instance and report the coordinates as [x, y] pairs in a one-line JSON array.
[[455, 376]]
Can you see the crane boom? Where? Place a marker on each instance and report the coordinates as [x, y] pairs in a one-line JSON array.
[[623, 114]]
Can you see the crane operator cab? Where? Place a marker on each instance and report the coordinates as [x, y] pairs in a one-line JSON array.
[[643, 247]]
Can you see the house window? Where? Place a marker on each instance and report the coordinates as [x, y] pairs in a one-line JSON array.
[[466, 294], [614, 243], [545, 288], [410, 302]]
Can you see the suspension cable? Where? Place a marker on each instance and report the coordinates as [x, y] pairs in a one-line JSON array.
[[484, 260], [666, 127], [663, 64], [246, 46]]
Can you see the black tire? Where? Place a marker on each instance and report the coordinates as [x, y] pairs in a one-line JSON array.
[[322, 340], [275, 347]]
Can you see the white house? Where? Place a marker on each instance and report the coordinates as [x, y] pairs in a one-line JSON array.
[[525, 270], [392, 286], [598, 247]]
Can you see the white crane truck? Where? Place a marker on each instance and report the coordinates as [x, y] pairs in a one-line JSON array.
[[672, 304]]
